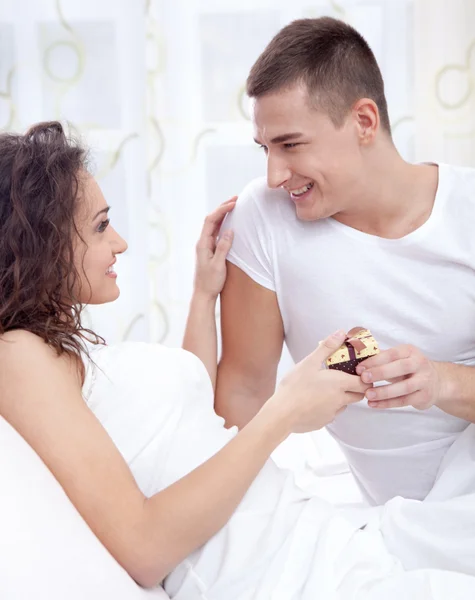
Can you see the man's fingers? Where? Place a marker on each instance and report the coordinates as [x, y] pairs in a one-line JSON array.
[[394, 390], [328, 346], [396, 403], [418, 400], [399, 402], [391, 371], [384, 358]]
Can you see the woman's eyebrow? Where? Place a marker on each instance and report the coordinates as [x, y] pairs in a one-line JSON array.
[[104, 210]]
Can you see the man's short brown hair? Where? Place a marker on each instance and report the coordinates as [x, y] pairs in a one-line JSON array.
[[330, 58]]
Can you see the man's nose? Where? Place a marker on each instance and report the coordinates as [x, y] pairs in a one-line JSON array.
[[277, 171]]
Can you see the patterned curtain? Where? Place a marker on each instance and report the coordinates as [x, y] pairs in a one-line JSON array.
[[156, 88], [444, 59]]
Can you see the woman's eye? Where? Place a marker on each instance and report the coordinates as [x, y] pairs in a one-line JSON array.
[[103, 225], [263, 147], [290, 145]]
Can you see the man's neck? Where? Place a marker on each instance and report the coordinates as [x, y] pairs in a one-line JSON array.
[[395, 199]]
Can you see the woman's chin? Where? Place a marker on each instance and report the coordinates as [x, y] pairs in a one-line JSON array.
[[112, 296], [105, 297]]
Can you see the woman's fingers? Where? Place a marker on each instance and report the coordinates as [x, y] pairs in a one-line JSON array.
[[212, 225], [223, 246], [352, 397], [352, 383], [232, 200], [328, 346]]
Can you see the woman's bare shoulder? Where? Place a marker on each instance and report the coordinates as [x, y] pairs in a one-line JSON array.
[[22, 349], [20, 343], [21, 336]]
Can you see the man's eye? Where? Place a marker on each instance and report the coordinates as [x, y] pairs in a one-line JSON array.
[[290, 145], [103, 225], [263, 147]]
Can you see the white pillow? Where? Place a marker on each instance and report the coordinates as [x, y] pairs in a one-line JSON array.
[[47, 551]]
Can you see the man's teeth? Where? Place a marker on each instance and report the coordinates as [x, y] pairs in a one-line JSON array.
[[302, 190], [110, 270]]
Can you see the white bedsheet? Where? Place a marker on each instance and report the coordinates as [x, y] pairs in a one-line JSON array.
[[440, 531], [282, 542]]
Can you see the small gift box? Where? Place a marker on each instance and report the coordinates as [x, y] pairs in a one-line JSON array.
[[359, 345]]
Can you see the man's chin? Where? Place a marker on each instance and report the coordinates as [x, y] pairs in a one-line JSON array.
[[309, 213]]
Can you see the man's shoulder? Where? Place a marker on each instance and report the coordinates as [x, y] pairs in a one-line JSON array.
[[257, 192], [460, 180], [460, 170]]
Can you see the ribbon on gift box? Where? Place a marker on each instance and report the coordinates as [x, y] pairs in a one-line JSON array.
[[355, 342]]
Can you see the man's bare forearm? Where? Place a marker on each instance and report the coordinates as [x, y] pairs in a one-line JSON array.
[[457, 393], [237, 398]]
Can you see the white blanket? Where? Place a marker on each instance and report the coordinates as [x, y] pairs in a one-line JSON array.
[[281, 543], [440, 531]]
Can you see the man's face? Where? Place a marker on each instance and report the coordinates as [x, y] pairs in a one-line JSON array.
[[318, 164]]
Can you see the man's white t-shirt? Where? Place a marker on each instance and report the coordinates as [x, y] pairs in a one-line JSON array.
[[419, 290]]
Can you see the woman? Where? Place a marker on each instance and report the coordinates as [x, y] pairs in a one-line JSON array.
[[129, 431]]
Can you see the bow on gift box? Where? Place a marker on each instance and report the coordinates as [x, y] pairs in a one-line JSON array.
[[357, 343]]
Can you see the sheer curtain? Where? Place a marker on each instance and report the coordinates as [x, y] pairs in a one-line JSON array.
[[156, 87], [444, 59], [84, 62]]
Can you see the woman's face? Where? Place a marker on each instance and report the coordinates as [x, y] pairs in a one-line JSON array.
[[95, 254]]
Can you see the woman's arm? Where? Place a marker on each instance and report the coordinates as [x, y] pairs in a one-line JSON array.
[[40, 395], [200, 333]]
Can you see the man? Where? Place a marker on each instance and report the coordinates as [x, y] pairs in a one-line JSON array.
[[346, 233]]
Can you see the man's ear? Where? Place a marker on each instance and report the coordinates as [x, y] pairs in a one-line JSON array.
[[366, 115]]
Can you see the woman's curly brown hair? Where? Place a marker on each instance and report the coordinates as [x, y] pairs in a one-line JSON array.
[[40, 175]]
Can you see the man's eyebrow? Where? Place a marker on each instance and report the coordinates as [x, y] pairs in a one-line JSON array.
[[104, 210], [286, 137]]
